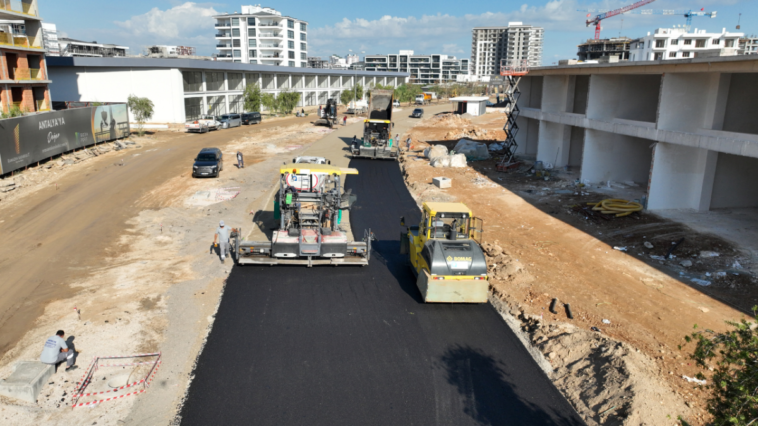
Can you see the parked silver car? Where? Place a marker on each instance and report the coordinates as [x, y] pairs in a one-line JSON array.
[[230, 120]]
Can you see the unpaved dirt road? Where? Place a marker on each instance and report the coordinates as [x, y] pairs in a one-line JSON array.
[[57, 236]]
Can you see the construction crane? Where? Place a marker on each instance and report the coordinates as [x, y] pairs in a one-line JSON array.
[[596, 20], [688, 14]]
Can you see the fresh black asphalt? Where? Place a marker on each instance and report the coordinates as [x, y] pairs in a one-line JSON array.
[[356, 346]]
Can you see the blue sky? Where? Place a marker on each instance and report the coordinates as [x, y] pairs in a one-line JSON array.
[[440, 26]]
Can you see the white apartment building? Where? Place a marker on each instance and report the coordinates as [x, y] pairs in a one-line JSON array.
[[261, 35], [50, 39], [424, 69], [677, 43], [516, 42], [749, 45]]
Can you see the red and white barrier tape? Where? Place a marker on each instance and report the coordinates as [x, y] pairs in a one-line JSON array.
[[87, 378], [126, 365], [109, 390], [85, 404]]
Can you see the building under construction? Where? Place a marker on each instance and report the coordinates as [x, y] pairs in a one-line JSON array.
[[596, 49]]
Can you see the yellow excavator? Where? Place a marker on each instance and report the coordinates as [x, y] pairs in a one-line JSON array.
[[445, 254]]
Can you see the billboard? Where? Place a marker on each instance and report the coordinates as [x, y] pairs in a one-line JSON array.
[[32, 138]]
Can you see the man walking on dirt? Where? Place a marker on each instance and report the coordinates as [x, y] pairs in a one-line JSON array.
[[56, 351], [221, 240], [240, 160]]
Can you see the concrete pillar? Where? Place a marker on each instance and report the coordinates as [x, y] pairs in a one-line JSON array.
[[703, 94], [716, 107], [553, 144], [682, 178], [614, 157]]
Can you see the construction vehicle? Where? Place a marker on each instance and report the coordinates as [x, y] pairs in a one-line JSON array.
[[309, 208], [445, 254], [425, 98], [328, 114], [377, 129]]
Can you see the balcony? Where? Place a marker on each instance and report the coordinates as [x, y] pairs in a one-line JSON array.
[[27, 74], [224, 55], [223, 35], [271, 56], [224, 46], [263, 24], [24, 7], [270, 46], [19, 40], [223, 25], [270, 35], [42, 105]]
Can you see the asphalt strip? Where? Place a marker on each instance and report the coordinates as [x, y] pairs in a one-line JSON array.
[[357, 346]]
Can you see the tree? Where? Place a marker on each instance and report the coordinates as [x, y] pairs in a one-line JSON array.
[[142, 109], [268, 100], [346, 96], [287, 101], [252, 97], [734, 383]]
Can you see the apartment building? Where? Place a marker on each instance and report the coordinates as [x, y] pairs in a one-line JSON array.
[[677, 43], [516, 42], [749, 45], [23, 72], [262, 35], [50, 39], [596, 49], [71, 47], [423, 69]]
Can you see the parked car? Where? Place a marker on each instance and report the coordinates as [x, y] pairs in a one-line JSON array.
[[209, 162], [251, 117], [203, 124], [310, 160], [396, 103], [212, 121], [230, 120], [417, 113]]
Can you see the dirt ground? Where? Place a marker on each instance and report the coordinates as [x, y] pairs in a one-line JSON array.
[[618, 360]]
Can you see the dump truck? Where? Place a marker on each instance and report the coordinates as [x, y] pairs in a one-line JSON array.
[[445, 254], [424, 98], [309, 208], [328, 114], [377, 129]]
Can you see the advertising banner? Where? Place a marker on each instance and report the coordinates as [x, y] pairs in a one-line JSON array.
[[32, 138]]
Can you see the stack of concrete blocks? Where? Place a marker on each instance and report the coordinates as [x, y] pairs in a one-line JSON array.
[[442, 182]]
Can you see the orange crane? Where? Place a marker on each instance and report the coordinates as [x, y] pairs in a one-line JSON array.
[[596, 20]]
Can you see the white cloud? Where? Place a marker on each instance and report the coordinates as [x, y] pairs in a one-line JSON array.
[[451, 49], [187, 20]]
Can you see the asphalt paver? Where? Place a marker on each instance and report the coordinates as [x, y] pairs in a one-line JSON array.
[[357, 346]]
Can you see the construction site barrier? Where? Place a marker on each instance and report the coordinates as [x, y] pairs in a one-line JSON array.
[[95, 365]]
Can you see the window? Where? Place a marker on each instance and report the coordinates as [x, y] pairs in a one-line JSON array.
[[303, 65], [291, 55], [237, 53], [291, 44], [292, 63], [649, 42], [728, 43], [290, 23], [214, 81], [290, 34], [674, 42], [236, 42], [235, 32], [302, 56], [253, 61], [251, 54], [699, 43], [685, 54], [193, 81], [303, 46], [302, 26], [302, 36], [251, 32], [251, 42], [688, 42], [672, 54], [716, 41], [235, 22], [658, 56], [660, 43], [251, 22]]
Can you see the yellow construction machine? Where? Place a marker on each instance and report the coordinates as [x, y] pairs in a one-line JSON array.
[[446, 255]]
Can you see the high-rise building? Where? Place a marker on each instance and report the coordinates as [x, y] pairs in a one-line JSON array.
[[596, 49], [24, 68], [261, 35], [424, 69], [677, 43], [516, 42]]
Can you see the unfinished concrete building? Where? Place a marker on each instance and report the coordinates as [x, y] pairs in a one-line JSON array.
[[596, 49], [684, 130]]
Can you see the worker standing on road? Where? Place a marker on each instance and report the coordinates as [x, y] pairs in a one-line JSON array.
[[408, 144], [221, 240], [354, 143], [344, 121], [240, 160], [319, 112], [56, 351]]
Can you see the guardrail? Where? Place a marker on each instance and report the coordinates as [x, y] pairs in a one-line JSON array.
[[25, 7], [27, 74], [18, 40], [42, 105]]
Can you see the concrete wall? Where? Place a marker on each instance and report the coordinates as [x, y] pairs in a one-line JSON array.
[[581, 94], [576, 147], [742, 104], [531, 92], [555, 92], [693, 101], [682, 177], [619, 158], [628, 97], [736, 182], [527, 137]]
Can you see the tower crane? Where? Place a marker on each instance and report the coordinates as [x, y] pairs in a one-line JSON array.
[[688, 14], [596, 20]]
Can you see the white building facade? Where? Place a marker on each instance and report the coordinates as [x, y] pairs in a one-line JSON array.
[[184, 89], [516, 42], [50, 39], [676, 43], [261, 35], [423, 69], [749, 45]]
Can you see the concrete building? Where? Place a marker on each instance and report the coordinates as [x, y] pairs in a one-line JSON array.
[[596, 49], [261, 35], [676, 43], [164, 51], [183, 89], [23, 71], [93, 49], [316, 62], [50, 39], [685, 132], [516, 42], [423, 69], [749, 45], [473, 105]]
